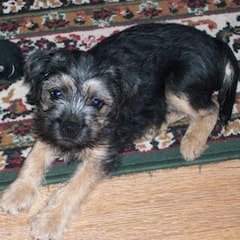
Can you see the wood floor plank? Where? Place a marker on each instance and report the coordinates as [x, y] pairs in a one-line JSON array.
[[189, 203]]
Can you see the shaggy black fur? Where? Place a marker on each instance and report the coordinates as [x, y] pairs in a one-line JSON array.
[[136, 68], [179, 57]]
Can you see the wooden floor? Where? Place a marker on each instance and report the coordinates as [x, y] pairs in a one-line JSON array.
[[187, 203]]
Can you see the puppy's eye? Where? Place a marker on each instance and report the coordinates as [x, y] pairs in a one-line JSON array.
[[56, 94], [97, 103]]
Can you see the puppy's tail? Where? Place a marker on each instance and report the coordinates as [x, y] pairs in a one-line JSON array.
[[227, 92]]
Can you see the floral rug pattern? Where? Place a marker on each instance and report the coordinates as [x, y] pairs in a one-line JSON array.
[[80, 24]]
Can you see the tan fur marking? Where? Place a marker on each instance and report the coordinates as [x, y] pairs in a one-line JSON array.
[[20, 194], [179, 104], [194, 141], [60, 81], [171, 118], [201, 125], [96, 88], [68, 82]]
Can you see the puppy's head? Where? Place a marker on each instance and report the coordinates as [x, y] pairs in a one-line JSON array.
[[76, 97]]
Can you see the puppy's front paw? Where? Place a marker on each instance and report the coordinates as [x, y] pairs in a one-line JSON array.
[[17, 197], [48, 225], [191, 148]]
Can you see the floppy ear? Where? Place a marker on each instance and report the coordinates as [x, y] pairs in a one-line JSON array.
[[33, 71], [39, 65]]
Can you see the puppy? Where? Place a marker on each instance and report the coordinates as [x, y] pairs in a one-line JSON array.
[[91, 104]]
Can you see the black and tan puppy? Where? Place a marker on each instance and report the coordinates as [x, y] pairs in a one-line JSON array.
[[91, 104]]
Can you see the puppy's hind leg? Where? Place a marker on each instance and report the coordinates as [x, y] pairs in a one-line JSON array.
[[20, 194], [202, 122], [194, 141]]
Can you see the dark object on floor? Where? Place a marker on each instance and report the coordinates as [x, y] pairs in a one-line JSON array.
[[11, 61]]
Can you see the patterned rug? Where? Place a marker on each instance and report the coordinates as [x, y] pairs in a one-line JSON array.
[[80, 24]]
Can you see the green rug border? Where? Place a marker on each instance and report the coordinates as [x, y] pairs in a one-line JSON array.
[[142, 162]]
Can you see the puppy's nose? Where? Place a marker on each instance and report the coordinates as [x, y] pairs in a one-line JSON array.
[[69, 128]]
